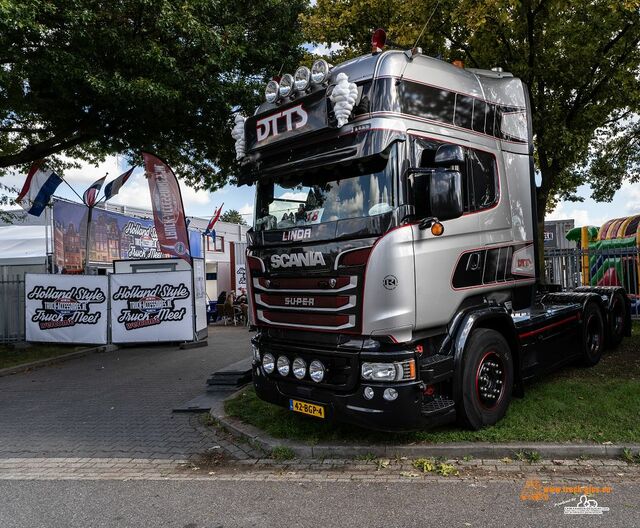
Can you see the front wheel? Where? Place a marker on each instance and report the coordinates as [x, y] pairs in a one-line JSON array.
[[487, 379]]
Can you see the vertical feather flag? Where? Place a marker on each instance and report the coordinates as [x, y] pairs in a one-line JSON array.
[[168, 210]]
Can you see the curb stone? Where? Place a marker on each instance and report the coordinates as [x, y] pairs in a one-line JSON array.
[[482, 450], [24, 367]]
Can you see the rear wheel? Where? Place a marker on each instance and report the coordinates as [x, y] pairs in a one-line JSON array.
[[616, 319], [592, 334], [487, 379]]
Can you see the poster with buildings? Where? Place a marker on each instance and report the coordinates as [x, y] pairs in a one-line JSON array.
[[113, 236]]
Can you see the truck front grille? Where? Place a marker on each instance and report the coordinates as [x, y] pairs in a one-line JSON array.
[[311, 303]]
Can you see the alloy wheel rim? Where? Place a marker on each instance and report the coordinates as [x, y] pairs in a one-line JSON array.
[[594, 338], [490, 380]]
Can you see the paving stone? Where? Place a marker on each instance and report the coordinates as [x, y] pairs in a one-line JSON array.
[[117, 404]]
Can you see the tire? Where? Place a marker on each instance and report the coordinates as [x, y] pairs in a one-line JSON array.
[[487, 379], [593, 334], [616, 320]]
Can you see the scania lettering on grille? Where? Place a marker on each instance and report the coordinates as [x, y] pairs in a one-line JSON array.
[[308, 259], [298, 301], [294, 118]]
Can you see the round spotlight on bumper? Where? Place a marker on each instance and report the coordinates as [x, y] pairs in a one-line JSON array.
[[283, 365], [268, 363], [299, 368], [271, 92], [368, 393], [302, 78], [316, 371], [319, 71], [286, 85], [390, 394]]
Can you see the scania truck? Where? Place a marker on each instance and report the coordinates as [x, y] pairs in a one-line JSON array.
[[393, 263]]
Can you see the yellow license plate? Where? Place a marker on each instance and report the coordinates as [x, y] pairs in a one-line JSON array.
[[307, 408]]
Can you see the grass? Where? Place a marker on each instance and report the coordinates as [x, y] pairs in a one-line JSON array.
[[283, 453], [528, 456], [629, 457], [11, 357], [599, 404]]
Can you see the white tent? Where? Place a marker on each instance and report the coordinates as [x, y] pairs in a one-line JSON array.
[[23, 245]]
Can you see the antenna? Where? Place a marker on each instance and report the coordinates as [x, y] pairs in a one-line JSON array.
[[410, 53], [426, 23]]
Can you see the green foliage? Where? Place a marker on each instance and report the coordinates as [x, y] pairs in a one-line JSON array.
[[207, 420], [426, 465], [429, 465], [88, 78], [629, 457], [283, 453], [367, 457], [527, 456], [232, 216], [580, 61], [11, 356]]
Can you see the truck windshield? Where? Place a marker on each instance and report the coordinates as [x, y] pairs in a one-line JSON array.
[[304, 199]]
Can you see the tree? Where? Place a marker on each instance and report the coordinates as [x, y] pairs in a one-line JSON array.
[[580, 61], [86, 78], [233, 217]]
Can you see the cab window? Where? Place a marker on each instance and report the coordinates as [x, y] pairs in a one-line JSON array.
[[479, 176]]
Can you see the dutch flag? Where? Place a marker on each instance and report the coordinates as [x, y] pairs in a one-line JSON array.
[[212, 222], [38, 188], [91, 194], [113, 187]]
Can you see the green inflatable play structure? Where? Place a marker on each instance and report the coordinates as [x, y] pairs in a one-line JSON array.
[[612, 258]]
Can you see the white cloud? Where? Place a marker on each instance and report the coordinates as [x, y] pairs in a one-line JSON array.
[[580, 216], [324, 50], [135, 193], [298, 196], [631, 192], [246, 210], [84, 176]]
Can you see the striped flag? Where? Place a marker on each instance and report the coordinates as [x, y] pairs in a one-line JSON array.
[[214, 219], [113, 187], [91, 194], [38, 188]]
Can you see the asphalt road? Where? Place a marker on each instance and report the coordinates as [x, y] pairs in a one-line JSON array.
[[213, 504]]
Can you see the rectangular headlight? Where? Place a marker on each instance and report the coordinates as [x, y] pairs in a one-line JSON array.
[[396, 371]]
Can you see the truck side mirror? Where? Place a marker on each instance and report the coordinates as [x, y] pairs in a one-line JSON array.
[[448, 155], [445, 194]]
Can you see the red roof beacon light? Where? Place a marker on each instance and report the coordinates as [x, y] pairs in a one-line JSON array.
[[378, 40]]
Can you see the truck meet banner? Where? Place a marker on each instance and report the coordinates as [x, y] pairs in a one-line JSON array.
[[66, 309], [151, 307]]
